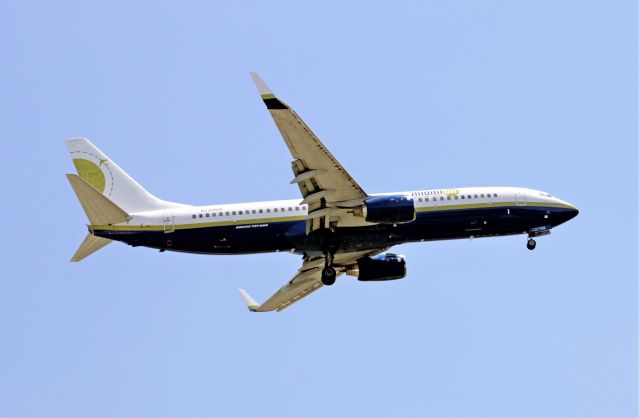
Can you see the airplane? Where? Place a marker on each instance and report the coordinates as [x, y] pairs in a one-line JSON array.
[[335, 225]]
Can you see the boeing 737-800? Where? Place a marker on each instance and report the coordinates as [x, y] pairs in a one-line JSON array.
[[335, 226]]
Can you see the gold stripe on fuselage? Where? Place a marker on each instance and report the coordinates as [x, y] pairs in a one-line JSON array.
[[491, 205], [161, 227]]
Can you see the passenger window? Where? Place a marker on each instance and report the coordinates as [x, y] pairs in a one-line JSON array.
[[475, 196], [260, 211], [441, 198], [213, 215], [495, 195], [290, 209], [435, 198], [227, 213], [268, 210], [297, 208], [482, 195], [456, 197], [253, 211], [304, 207], [207, 215], [193, 216], [448, 197], [462, 197], [200, 216], [420, 200], [240, 213], [468, 196], [275, 210], [233, 213]]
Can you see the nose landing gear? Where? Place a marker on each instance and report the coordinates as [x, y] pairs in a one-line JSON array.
[[531, 244], [540, 231]]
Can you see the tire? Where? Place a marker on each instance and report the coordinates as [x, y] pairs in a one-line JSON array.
[[328, 276], [531, 244]]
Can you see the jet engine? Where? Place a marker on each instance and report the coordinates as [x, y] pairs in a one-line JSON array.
[[387, 210], [379, 268]]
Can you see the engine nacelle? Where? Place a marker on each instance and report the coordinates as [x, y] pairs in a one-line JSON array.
[[387, 210], [380, 268]]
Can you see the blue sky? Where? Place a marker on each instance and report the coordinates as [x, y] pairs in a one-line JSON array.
[[408, 95]]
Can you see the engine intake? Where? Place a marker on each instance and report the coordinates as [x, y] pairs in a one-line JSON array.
[[380, 268], [387, 210]]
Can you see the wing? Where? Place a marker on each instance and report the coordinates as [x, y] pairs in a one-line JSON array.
[[306, 281], [325, 185]]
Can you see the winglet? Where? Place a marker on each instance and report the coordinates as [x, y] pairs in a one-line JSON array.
[[262, 87], [267, 95], [250, 302]]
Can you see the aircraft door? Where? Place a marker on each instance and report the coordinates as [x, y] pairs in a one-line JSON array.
[[521, 200], [168, 223]]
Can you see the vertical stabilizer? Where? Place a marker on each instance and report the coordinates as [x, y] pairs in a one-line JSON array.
[[95, 168]]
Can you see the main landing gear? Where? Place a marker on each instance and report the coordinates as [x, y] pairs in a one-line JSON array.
[[531, 243], [328, 276], [328, 272]]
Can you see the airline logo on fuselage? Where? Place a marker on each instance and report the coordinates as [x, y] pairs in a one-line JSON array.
[[451, 192]]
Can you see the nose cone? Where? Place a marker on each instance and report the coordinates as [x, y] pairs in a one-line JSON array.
[[567, 214]]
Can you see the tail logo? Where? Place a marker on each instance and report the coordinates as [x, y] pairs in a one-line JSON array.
[[91, 173]]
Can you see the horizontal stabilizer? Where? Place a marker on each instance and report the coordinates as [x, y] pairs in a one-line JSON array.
[[90, 245], [99, 209]]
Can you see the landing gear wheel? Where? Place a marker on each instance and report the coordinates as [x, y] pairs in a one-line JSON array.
[[531, 244], [328, 276]]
